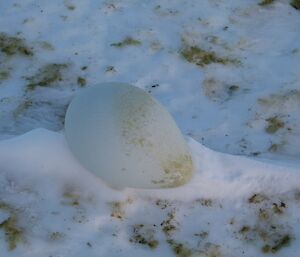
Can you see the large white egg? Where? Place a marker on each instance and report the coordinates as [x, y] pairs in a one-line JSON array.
[[124, 136]]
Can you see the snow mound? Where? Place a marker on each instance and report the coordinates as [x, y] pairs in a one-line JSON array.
[[56, 207]]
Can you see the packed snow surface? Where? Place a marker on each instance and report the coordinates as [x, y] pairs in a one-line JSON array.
[[229, 74], [232, 206]]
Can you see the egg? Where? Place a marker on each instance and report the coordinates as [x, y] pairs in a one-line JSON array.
[[124, 136]]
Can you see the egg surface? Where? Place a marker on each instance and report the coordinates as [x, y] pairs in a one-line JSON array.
[[123, 135]]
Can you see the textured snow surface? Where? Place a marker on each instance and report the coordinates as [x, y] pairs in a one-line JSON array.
[[233, 206], [227, 71]]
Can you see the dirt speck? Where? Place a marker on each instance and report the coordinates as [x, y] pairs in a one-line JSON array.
[[81, 81], [257, 198]]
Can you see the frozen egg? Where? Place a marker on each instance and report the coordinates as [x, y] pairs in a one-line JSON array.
[[124, 136]]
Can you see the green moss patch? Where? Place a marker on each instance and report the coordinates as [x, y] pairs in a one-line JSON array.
[[295, 4], [269, 213], [46, 76], [200, 57], [118, 208], [269, 233], [11, 45], [13, 233], [128, 41], [4, 74], [274, 124], [22, 107], [143, 235], [169, 225], [180, 249], [6, 207], [283, 241], [266, 2], [269, 238], [280, 99]]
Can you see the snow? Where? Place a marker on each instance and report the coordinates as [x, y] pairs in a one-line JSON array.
[[64, 210], [240, 116]]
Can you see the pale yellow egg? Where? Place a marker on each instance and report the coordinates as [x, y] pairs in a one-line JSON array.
[[123, 135]]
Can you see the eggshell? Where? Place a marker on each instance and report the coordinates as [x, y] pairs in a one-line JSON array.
[[123, 135]]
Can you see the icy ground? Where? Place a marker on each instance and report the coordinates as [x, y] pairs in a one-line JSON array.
[[228, 72]]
